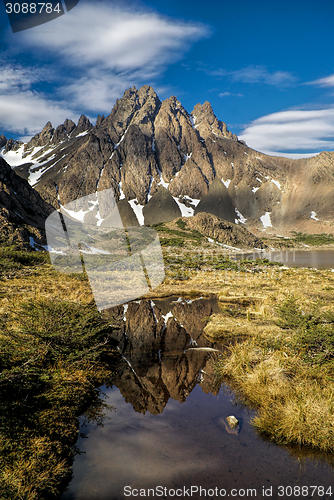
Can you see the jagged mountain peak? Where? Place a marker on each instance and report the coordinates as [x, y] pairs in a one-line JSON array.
[[157, 155], [84, 123], [207, 123]]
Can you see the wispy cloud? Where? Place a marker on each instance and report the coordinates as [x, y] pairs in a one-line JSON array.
[[227, 94], [16, 78], [22, 109], [98, 49], [307, 131], [257, 75], [111, 37], [328, 81]]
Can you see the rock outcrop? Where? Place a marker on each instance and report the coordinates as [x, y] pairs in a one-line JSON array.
[[223, 231]]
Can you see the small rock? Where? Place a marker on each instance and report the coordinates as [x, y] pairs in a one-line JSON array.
[[232, 421]]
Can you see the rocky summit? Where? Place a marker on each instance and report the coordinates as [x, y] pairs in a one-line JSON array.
[[163, 162]]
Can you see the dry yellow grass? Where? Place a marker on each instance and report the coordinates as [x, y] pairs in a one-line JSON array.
[[44, 282], [295, 404], [37, 467], [295, 399]]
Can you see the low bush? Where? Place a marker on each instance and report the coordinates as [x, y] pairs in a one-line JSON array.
[[53, 354]]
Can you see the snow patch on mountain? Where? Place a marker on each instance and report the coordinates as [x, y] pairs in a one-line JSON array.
[[193, 201], [138, 210], [83, 133], [36, 174], [226, 183], [162, 182], [265, 219], [185, 211], [241, 218], [276, 184], [193, 121], [122, 195], [13, 158]]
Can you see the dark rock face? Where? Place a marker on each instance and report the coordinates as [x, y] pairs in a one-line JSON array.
[[207, 123], [83, 125], [161, 208], [141, 143], [41, 139], [22, 210], [12, 145], [217, 202], [127, 214], [144, 144], [3, 141]]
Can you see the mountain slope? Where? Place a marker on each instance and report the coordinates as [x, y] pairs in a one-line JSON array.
[[22, 210], [163, 162]]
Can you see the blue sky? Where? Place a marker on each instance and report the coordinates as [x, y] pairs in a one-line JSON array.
[[267, 67]]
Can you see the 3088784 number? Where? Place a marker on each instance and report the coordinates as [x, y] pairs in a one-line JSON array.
[[32, 8], [304, 491]]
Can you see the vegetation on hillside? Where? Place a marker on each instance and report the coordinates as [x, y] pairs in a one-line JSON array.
[[299, 240], [313, 239]]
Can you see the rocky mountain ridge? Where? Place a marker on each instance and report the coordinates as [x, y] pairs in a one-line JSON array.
[[163, 162]]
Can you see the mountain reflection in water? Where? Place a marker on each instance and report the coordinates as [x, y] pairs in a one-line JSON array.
[[156, 364], [169, 424]]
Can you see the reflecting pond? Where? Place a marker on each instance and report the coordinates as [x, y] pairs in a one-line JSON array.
[[168, 429]]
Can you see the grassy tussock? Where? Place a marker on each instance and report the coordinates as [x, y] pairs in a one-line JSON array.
[[34, 471], [284, 368], [295, 405]]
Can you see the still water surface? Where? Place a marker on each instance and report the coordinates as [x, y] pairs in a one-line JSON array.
[[168, 427], [319, 259]]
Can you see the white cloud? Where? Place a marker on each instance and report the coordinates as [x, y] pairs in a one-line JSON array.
[[16, 77], [23, 110], [295, 130], [111, 37], [97, 50], [328, 81], [258, 74], [227, 94], [25, 113]]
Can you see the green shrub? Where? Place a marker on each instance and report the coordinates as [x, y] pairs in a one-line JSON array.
[[172, 242], [53, 354], [182, 225], [313, 330]]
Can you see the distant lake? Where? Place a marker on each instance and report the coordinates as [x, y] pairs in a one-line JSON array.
[[319, 259]]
